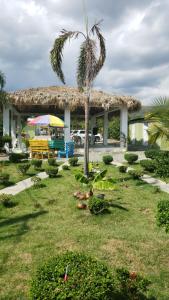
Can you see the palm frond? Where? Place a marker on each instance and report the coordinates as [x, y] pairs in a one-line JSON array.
[[86, 63], [56, 53], [157, 131], [2, 80], [102, 56]]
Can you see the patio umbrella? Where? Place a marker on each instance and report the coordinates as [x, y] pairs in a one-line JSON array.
[[47, 120]]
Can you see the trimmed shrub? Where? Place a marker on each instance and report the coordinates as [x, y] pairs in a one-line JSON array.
[[131, 284], [131, 157], [148, 165], [23, 168], [73, 276], [65, 167], [52, 162], [97, 205], [4, 177], [135, 174], [36, 181], [5, 200], [37, 163], [163, 214], [122, 169], [162, 165], [52, 171], [17, 157], [73, 161], [107, 159], [152, 153]]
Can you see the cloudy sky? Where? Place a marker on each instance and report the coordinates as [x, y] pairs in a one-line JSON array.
[[137, 43]]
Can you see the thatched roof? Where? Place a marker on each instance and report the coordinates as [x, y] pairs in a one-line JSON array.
[[62, 96]]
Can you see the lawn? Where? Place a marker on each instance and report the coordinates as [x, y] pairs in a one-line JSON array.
[[46, 222]]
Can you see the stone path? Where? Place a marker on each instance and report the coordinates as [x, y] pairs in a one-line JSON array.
[[151, 180], [24, 184]]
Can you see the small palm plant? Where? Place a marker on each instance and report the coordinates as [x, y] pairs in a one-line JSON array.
[[159, 119], [3, 95], [89, 65]]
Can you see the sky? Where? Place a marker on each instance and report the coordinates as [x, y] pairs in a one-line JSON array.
[[136, 35]]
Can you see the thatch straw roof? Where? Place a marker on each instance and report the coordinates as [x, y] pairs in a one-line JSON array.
[[62, 96]]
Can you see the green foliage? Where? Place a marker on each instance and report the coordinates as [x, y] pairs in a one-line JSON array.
[[6, 139], [122, 169], [148, 165], [17, 157], [93, 178], [135, 174], [97, 205], [132, 285], [131, 157], [106, 185], [73, 161], [114, 129], [87, 278], [37, 163], [163, 214], [37, 182], [52, 171], [52, 162], [162, 165], [107, 159], [6, 200], [4, 177], [152, 153], [65, 167], [23, 168]]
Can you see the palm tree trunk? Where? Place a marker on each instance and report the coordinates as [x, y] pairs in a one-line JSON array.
[[86, 142]]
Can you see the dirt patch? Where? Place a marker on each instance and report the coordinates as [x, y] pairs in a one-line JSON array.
[[26, 257]]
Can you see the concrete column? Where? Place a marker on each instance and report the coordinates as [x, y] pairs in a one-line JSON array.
[[6, 120], [13, 129], [93, 124], [105, 128], [67, 123], [123, 126]]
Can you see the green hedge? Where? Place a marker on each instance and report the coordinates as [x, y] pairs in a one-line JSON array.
[[17, 157], [163, 214], [148, 165], [131, 157]]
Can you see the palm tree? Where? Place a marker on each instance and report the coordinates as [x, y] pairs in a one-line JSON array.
[[89, 65], [159, 119]]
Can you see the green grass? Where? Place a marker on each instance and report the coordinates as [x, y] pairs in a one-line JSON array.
[[15, 175], [46, 222]]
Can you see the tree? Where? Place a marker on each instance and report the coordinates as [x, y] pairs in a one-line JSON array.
[[159, 119], [89, 65]]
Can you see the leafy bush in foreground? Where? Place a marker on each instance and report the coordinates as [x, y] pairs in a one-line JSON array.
[[52, 162], [73, 276], [152, 153], [97, 205], [65, 167], [107, 159], [162, 166], [4, 178], [148, 165], [131, 157], [163, 214], [37, 182]]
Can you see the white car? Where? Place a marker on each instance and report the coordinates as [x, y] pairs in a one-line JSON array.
[[79, 136]]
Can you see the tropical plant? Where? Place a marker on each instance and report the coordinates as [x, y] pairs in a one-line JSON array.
[[4, 99], [89, 65], [159, 120]]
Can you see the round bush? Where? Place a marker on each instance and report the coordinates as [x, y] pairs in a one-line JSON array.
[[87, 278], [65, 167], [131, 157], [152, 153], [73, 161], [17, 157], [37, 163], [148, 165], [107, 159], [23, 168], [52, 162], [4, 177], [135, 174], [52, 171], [122, 169], [97, 205], [6, 200]]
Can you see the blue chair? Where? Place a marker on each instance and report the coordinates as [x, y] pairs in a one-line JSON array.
[[68, 151]]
